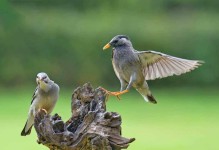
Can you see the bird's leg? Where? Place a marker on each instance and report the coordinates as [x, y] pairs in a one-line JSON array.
[[117, 94], [133, 79], [122, 89], [44, 110], [123, 84]]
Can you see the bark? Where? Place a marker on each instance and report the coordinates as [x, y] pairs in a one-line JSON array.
[[90, 127]]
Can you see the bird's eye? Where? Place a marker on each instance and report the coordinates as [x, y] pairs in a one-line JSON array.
[[115, 41], [43, 78]]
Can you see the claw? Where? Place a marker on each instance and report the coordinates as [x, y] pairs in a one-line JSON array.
[[44, 111], [117, 94]]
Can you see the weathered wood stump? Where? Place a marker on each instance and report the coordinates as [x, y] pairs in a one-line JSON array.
[[91, 127]]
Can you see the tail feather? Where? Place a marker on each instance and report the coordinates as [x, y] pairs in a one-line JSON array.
[[24, 132], [146, 94], [151, 99]]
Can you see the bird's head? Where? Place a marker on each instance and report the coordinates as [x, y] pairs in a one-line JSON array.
[[43, 81], [118, 41], [42, 78]]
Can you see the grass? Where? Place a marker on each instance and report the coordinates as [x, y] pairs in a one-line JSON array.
[[183, 119]]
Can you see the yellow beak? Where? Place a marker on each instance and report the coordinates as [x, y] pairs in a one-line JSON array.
[[106, 46], [37, 80]]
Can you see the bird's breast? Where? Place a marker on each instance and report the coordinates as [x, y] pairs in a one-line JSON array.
[[123, 68], [126, 64], [48, 103]]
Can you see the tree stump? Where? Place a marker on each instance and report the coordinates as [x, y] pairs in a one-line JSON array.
[[91, 127]]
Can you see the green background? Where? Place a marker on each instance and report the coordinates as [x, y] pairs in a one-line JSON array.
[[65, 39]]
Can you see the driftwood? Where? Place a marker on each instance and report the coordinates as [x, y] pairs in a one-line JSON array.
[[89, 128]]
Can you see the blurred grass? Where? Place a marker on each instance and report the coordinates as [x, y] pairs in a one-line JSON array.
[[184, 118]]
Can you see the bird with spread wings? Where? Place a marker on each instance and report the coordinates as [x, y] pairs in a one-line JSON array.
[[134, 67]]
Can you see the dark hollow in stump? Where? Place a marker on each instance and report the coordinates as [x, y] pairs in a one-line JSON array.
[[91, 127]]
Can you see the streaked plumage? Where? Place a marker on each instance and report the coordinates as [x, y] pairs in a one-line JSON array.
[[134, 67], [44, 97]]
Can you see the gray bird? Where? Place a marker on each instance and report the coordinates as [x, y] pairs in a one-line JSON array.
[[134, 67], [44, 97]]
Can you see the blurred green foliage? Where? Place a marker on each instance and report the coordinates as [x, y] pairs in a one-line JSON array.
[[65, 38]]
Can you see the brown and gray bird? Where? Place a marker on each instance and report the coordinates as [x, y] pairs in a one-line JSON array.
[[134, 67], [44, 97]]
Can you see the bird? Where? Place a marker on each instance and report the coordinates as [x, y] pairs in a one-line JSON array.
[[133, 68], [44, 97]]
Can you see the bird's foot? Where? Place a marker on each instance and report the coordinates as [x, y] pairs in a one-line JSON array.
[[44, 110], [117, 94]]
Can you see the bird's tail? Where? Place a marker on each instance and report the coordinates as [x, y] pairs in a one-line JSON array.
[[151, 99], [146, 94], [27, 128]]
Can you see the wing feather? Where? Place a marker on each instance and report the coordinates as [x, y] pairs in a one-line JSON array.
[[158, 65], [34, 94], [164, 67]]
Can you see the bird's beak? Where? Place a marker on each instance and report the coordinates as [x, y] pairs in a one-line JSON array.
[[38, 80], [106, 46]]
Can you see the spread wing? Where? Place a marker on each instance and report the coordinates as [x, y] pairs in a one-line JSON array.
[[158, 65], [34, 94]]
